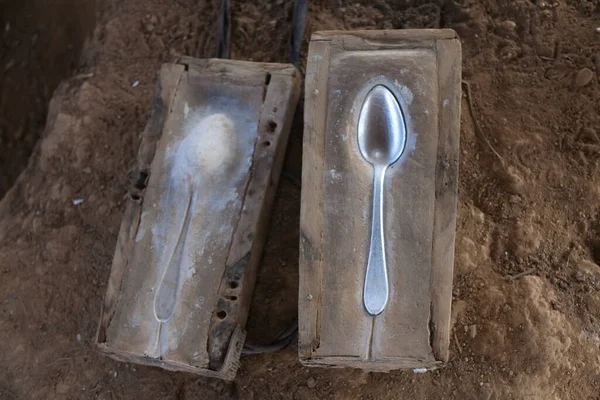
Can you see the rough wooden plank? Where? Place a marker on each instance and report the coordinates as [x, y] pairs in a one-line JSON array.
[[311, 208], [373, 39], [197, 230], [164, 93], [336, 211], [237, 284], [446, 194]]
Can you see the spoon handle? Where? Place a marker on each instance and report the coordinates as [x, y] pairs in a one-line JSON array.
[[375, 294]]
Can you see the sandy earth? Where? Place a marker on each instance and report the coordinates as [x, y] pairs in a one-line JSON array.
[[526, 301]]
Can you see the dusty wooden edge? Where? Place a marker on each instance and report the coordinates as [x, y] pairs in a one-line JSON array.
[[386, 39], [164, 94], [312, 201], [250, 232], [401, 36], [228, 370], [386, 365], [446, 193], [247, 73], [212, 64]]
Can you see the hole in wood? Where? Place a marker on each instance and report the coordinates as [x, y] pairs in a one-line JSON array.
[[221, 314], [142, 180], [268, 78], [274, 109], [271, 126], [233, 284], [135, 197], [267, 143], [232, 298]]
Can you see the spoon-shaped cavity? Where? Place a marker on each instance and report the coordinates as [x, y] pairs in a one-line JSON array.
[[206, 151], [381, 140]]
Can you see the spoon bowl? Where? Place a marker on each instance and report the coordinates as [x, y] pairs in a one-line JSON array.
[[381, 128]]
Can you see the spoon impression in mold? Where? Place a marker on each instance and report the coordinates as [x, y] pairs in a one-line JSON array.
[[205, 153]]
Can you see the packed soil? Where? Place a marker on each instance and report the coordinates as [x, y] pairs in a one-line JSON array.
[[526, 309]]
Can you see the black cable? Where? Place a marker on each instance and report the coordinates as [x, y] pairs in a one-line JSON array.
[[290, 176], [298, 23], [285, 338], [224, 32]]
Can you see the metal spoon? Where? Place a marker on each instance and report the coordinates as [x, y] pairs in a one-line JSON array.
[[381, 140]]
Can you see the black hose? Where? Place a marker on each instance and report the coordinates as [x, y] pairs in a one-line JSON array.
[[298, 23], [224, 32], [285, 338]]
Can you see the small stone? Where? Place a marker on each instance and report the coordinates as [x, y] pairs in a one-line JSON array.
[[589, 135], [509, 25], [584, 76], [477, 215], [513, 181], [135, 84], [480, 383], [506, 29], [77, 202], [62, 388], [78, 338], [473, 331], [579, 276], [311, 383]]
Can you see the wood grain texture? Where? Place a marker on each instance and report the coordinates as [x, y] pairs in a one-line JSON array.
[[224, 226], [311, 207], [422, 68]]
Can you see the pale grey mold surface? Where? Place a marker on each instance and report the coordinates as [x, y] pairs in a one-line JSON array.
[[186, 227], [408, 245]]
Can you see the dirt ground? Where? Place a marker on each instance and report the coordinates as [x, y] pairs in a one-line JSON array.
[[526, 308]]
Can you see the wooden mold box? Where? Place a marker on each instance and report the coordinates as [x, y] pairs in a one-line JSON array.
[[422, 68], [195, 223]]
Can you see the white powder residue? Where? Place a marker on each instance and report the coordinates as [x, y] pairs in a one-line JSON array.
[[208, 148], [336, 175], [405, 92], [212, 151], [142, 227], [204, 154]]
